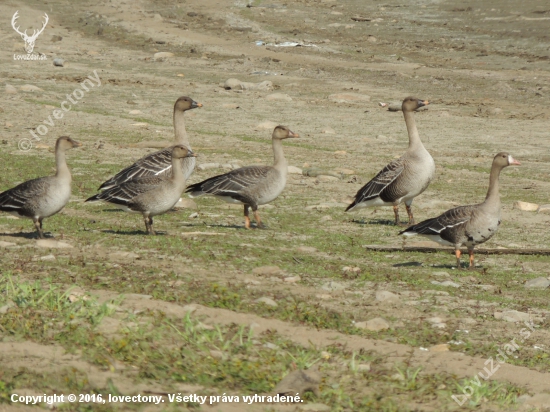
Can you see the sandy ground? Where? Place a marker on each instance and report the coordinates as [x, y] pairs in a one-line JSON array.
[[483, 67]]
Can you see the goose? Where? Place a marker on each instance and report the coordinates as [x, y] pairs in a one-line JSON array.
[[251, 185], [403, 179], [43, 197], [468, 225], [149, 195], [160, 163]]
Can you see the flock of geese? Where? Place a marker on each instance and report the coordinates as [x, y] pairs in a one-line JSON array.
[[153, 185]]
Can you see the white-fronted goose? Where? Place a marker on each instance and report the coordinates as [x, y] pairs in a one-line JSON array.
[[250, 185], [160, 163], [468, 225], [404, 178], [39, 198], [150, 195]]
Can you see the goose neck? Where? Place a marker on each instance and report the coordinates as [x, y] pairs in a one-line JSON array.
[[414, 137], [62, 170], [493, 191], [177, 170], [279, 157], [179, 129]]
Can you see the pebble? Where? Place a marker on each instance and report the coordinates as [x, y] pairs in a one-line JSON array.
[[279, 96], [445, 283], [363, 367], [349, 98], [48, 257], [328, 130], [386, 296], [375, 324], [267, 301], [193, 215], [333, 285], [267, 270], [544, 209], [6, 244], [293, 170], [160, 56], [217, 354], [512, 316], [340, 152], [232, 84], [30, 88], [269, 125], [51, 243], [351, 269], [10, 89], [185, 203], [526, 206], [443, 347], [292, 279], [326, 218], [538, 283], [134, 112], [372, 39], [205, 166], [58, 62]]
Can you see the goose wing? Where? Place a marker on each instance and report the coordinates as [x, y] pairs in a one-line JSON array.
[[16, 198], [125, 193], [154, 164], [453, 219], [232, 183], [381, 181]]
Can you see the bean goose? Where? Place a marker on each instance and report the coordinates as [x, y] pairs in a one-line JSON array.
[[160, 163], [250, 185], [43, 197], [149, 195], [404, 178], [468, 225]]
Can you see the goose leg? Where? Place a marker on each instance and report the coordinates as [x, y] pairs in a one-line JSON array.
[[458, 254], [259, 223], [38, 225], [471, 253], [151, 230], [246, 217], [410, 213], [396, 213]]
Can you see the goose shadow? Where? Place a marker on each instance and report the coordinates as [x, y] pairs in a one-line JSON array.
[[384, 222], [28, 235], [408, 264], [239, 227], [133, 232]]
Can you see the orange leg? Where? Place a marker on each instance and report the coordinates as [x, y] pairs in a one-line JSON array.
[[471, 253], [410, 213], [458, 254], [396, 213], [259, 223], [246, 218]]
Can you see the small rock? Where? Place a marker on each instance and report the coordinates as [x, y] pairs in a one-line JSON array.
[[443, 347], [512, 316], [306, 249], [372, 39], [56, 38], [544, 209], [135, 112], [217, 354], [300, 381], [375, 324], [267, 271], [232, 84], [267, 125], [10, 89], [326, 218], [538, 283], [157, 17], [363, 367], [441, 274], [205, 166], [313, 407], [526, 206], [51, 243], [58, 62], [328, 130], [435, 319], [293, 170], [349, 98], [6, 244], [193, 215], [185, 203], [292, 279], [279, 96], [445, 283], [386, 296], [48, 257], [267, 301], [30, 88], [160, 56], [5, 309], [266, 85], [351, 270], [332, 285], [340, 153]]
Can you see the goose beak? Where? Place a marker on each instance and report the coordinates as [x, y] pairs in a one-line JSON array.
[[513, 162], [76, 144], [423, 103], [194, 105], [292, 134]]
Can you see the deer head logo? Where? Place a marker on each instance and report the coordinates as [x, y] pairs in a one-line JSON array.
[[29, 40]]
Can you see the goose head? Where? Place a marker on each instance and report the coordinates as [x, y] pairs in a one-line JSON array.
[[185, 103], [504, 159], [283, 132], [410, 104], [180, 151], [65, 143]]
